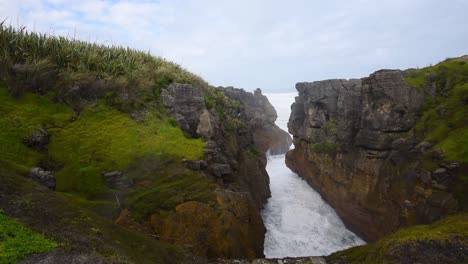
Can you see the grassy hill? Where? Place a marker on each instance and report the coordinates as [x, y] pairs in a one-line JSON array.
[[101, 107]]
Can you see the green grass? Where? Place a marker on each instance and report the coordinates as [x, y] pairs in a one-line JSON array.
[[445, 115], [100, 139], [18, 118], [18, 241], [440, 231], [104, 139], [329, 148]]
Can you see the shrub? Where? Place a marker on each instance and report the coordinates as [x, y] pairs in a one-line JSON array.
[[328, 148]]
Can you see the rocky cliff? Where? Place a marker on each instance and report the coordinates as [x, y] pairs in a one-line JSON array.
[[130, 152], [364, 145], [261, 116], [233, 125]]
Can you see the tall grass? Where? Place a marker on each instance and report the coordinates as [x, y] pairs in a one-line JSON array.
[[46, 63]]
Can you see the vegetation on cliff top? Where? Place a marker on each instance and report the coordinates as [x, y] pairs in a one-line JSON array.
[[17, 241], [444, 120], [61, 65], [388, 249]]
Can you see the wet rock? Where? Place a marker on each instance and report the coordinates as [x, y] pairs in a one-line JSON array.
[[117, 180], [44, 177], [38, 140]]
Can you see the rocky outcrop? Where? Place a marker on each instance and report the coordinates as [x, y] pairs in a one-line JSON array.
[[44, 177], [117, 180], [233, 125], [186, 104], [261, 116], [352, 144], [232, 230], [38, 140]]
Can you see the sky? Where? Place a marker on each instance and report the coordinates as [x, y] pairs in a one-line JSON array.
[[265, 44]]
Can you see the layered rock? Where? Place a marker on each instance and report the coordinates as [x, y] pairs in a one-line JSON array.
[[232, 127], [353, 146], [261, 116]]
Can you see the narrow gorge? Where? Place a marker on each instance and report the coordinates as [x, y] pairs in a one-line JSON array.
[[298, 222], [112, 155]]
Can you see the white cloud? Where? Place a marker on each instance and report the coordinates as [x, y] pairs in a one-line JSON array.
[[265, 43]]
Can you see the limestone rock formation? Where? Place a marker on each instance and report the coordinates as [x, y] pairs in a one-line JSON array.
[[352, 144], [233, 126], [262, 116], [186, 104]]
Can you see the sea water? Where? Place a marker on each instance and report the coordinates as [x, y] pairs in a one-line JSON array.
[[298, 221]]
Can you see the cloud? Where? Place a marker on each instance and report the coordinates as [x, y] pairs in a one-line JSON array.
[[270, 44]]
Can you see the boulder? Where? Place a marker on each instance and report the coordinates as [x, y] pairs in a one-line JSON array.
[[38, 140], [44, 177], [117, 180]]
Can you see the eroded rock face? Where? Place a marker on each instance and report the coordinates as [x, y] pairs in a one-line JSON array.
[[261, 116], [230, 231], [233, 227], [352, 145], [186, 104]]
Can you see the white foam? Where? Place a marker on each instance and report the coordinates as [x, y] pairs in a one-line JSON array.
[[298, 221]]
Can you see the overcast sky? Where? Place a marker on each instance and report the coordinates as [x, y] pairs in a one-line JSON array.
[[263, 43]]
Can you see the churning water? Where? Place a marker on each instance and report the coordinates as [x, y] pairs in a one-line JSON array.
[[298, 221]]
